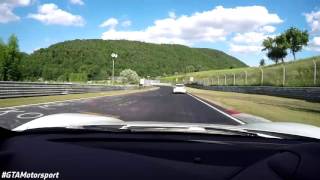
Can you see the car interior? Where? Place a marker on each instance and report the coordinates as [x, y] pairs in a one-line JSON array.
[[89, 154]]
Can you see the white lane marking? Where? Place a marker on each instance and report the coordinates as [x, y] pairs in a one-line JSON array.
[[228, 115], [9, 110], [70, 100], [52, 102], [30, 115]]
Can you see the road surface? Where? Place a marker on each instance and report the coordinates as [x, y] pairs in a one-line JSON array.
[[156, 105]]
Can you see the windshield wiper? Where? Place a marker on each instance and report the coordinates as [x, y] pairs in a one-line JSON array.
[[244, 132], [90, 128], [197, 129]]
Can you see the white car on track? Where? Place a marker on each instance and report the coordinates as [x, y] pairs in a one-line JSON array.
[[179, 88]]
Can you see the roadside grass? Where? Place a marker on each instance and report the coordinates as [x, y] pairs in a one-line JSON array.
[[273, 108], [45, 99], [298, 73]]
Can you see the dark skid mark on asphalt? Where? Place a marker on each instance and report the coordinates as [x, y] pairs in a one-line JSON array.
[[158, 105]]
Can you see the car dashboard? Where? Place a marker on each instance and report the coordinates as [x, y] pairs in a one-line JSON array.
[[113, 155]]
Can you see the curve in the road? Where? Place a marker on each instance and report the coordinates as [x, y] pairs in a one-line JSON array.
[[159, 105]]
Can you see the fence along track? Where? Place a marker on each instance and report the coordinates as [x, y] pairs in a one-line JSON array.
[[10, 89], [304, 93]]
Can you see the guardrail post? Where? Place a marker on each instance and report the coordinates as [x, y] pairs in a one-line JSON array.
[[212, 82], [234, 79], [225, 80], [283, 75], [218, 80], [246, 78], [261, 76], [314, 72]]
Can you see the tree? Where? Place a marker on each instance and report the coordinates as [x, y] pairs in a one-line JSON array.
[[281, 46], [267, 44], [78, 77], [14, 57], [296, 40], [276, 48], [262, 62], [10, 60], [198, 68], [129, 76], [92, 57], [3, 56], [190, 69]]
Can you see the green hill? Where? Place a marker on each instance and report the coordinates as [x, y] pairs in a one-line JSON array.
[[90, 60]]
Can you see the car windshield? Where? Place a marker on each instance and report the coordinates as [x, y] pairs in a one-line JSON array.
[[235, 67]]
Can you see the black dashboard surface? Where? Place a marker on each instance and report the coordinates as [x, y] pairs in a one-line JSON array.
[[97, 155]]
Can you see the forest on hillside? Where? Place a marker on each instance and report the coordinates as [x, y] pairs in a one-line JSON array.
[[82, 60]]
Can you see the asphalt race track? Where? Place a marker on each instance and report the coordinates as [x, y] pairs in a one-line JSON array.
[[157, 105]]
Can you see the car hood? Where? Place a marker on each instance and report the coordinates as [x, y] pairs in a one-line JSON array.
[[75, 120], [70, 120]]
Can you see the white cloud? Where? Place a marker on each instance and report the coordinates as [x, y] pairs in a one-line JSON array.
[[316, 41], [111, 22], [18, 2], [315, 44], [249, 42], [249, 37], [313, 19], [245, 48], [126, 23], [172, 14], [206, 26], [6, 14], [7, 7], [77, 2], [268, 29], [50, 14], [140, 36]]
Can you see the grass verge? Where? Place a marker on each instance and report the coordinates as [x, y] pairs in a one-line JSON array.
[[270, 107], [45, 99]]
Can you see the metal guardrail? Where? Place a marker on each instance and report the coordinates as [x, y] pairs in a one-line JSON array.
[[304, 93], [10, 89]]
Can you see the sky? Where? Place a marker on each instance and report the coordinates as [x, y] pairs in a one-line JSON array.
[[235, 27]]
